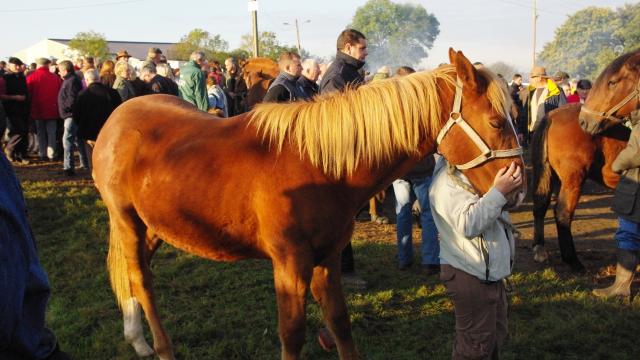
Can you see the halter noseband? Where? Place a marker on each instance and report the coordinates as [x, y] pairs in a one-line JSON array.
[[609, 114], [487, 154]]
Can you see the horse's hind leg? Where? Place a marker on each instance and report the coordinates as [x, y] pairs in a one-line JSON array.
[[291, 274], [130, 232], [131, 311], [327, 290], [567, 201], [540, 205]]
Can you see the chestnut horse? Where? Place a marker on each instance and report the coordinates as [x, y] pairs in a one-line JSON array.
[[615, 95], [257, 75], [563, 156], [283, 183]]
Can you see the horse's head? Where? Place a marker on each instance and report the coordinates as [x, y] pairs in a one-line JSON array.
[[614, 96], [257, 75], [479, 137]]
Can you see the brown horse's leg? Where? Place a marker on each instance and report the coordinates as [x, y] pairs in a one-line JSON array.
[[567, 201], [291, 276], [373, 209], [134, 248], [540, 205], [327, 290]]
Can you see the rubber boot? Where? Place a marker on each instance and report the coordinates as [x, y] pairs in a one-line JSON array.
[[626, 267]]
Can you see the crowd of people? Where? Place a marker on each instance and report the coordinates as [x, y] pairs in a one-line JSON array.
[[55, 108]]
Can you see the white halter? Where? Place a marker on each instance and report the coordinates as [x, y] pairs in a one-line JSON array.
[[486, 154]]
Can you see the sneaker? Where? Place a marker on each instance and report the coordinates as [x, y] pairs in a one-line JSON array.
[[351, 280]]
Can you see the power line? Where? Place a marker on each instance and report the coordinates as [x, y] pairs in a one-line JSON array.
[[70, 7]]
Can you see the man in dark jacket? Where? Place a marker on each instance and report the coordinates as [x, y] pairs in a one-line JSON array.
[[344, 71], [16, 106], [626, 204], [308, 79], [92, 109], [542, 96], [157, 84], [285, 87], [69, 91]]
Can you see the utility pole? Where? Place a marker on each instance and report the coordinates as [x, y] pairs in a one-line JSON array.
[[253, 8], [296, 24], [535, 20], [298, 36]]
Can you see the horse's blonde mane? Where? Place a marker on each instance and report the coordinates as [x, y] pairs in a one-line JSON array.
[[338, 131]]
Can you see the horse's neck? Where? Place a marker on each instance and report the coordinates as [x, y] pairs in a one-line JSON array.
[[369, 180]]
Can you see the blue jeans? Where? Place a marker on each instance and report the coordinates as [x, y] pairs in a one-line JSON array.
[[70, 141], [628, 235], [406, 193], [24, 286]]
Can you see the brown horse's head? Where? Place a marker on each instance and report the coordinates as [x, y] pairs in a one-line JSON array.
[[614, 95], [480, 139], [257, 75]]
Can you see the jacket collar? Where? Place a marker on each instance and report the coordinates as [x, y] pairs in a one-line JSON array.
[[551, 86], [288, 77], [348, 59]]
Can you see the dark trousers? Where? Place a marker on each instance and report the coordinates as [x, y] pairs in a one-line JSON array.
[[481, 314], [347, 265], [18, 127]]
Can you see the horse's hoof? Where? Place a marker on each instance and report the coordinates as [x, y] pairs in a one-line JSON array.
[[540, 254], [326, 340], [142, 348], [382, 220]]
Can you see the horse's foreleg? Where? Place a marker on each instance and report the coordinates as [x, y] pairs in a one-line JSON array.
[[327, 290], [567, 201], [291, 276], [540, 206]]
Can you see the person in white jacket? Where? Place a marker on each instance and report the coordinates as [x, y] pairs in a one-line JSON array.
[[476, 254]]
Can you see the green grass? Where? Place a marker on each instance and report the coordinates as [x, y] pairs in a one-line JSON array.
[[227, 310]]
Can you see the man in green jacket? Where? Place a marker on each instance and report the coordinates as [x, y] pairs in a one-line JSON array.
[[192, 84]]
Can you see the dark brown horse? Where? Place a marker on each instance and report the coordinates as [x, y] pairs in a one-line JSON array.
[[257, 75], [563, 157], [283, 183]]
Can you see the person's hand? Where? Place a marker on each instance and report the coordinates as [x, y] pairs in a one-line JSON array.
[[520, 138], [508, 178]]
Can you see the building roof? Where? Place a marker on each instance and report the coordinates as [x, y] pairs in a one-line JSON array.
[[137, 49]]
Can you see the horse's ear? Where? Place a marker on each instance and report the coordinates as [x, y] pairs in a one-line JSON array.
[[465, 70], [452, 56]]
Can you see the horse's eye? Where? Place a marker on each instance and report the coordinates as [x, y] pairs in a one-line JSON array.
[[495, 124], [612, 83]]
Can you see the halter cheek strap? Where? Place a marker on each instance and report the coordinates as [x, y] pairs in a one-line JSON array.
[[486, 154]]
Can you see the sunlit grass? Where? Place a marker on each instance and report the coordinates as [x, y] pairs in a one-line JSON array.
[[227, 311]]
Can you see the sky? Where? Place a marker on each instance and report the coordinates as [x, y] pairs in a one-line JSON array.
[[485, 30]]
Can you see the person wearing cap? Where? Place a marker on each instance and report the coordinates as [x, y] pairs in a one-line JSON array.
[[192, 85], [43, 87], [16, 105], [153, 57], [122, 55], [561, 78], [542, 96], [69, 91]]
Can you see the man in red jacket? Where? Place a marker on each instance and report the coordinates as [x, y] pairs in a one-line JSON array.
[[43, 87]]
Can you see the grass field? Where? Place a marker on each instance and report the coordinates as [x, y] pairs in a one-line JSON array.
[[227, 311]]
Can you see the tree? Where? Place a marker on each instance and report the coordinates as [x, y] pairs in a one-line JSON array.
[[268, 45], [397, 34], [90, 43], [198, 39], [591, 38]]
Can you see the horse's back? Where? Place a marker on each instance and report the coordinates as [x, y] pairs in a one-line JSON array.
[[567, 144]]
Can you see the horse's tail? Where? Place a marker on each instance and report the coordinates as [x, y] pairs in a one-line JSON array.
[[117, 263], [542, 172]]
